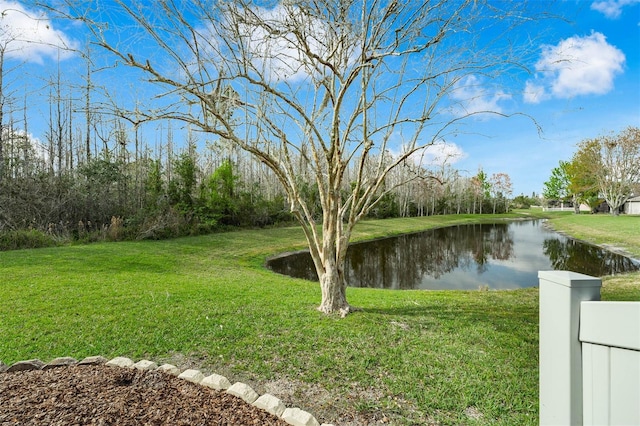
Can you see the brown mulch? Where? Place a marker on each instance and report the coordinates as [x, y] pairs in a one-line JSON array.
[[101, 395]]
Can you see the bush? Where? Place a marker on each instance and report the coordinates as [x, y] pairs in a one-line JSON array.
[[162, 225], [25, 239]]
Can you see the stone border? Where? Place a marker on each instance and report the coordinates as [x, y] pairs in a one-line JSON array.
[[267, 402]]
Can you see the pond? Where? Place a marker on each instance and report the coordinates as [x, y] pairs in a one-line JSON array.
[[505, 255]]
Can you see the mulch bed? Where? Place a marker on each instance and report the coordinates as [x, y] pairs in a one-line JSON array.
[[102, 395]]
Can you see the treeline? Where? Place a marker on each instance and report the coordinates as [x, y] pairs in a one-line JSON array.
[[116, 194], [117, 188]]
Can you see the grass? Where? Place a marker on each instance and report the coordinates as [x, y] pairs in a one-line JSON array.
[[618, 231], [447, 357]]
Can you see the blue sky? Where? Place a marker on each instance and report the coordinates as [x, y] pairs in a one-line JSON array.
[[598, 93]]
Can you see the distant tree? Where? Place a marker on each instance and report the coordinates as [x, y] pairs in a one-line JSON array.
[[557, 187], [502, 189], [154, 184], [183, 184], [614, 161], [101, 183], [7, 37], [481, 188], [222, 194], [523, 202], [582, 179]]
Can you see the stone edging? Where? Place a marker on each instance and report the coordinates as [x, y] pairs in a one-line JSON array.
[[267, 402]]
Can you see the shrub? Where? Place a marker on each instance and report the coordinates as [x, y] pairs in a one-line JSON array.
[[168, 224], [25, 239]]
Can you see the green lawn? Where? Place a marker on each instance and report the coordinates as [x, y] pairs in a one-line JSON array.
[[451, 357], [619, 231]]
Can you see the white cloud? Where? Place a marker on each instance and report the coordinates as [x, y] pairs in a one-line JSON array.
[[534, 93], [472, 97], [612, 9], [575, 66], [437, 154], [442, 153], [29, 36]]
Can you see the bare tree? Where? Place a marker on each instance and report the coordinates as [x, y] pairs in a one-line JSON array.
[[501, 188], [329, 86], [3, 102], [6, 39], [88, 116]]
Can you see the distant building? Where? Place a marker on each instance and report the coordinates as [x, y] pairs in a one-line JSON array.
[[632, 206]]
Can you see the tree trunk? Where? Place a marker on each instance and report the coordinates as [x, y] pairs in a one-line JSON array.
[[330, 264], [331, 257], [333, 288]]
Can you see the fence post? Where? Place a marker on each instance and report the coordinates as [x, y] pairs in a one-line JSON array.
[[560, 351]]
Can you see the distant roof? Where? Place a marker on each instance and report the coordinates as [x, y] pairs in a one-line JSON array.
[[634, 199]]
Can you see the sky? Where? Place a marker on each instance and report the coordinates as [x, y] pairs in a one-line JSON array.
[[597, 94], [584, 83]]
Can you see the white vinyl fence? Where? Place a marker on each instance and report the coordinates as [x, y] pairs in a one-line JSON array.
[[589, 353]]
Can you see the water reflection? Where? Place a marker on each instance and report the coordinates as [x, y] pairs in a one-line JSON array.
[[571, 255], [405, 262], [500, 256]]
